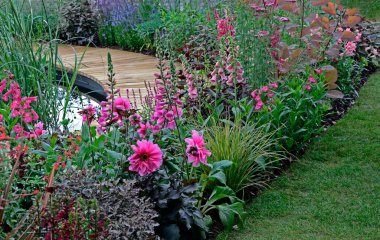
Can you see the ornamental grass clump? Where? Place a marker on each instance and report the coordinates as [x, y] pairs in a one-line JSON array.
[[251, 151]]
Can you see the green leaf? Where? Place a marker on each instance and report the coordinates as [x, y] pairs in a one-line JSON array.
[[220, 165], [220, 193], [85, 133], [226, 215], [219, 176], [115, 156]]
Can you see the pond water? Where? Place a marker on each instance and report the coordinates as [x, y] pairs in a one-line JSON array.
[[88, 92], [78, 102]]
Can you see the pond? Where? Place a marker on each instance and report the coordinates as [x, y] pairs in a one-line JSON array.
[[89, 92]]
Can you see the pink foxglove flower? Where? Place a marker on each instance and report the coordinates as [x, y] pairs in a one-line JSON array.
[[135, 119], [146, 159], [143, 129], [196, 151]]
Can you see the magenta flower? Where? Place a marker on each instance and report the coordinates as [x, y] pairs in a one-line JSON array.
[[135, 119], [196, 151], [146, 159], [274, 85], [259, 105], [350, 48], [254, 93], [265, 89], [319, 71], [143, 129], [263, 34], [308, 87], [284, 19], [39, 129], [122, 104], [312, 80]]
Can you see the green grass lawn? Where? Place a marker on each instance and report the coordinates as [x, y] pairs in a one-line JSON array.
[[368, 8], [333, 191]]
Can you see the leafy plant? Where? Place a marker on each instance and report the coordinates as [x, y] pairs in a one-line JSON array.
[[222, 198], [79, 21], [296, 111], [179, 217], [126, 213]]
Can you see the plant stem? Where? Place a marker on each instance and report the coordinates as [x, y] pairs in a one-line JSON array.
[[3, 200]]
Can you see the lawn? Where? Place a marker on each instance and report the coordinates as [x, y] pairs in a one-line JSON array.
[[332, 191], [368, 8]]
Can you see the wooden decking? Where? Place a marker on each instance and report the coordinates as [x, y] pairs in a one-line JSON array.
[[131, 69]]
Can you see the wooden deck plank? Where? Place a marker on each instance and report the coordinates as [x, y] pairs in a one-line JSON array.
[[131, 69]]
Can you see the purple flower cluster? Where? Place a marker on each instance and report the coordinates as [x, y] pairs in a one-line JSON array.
[[119, 12]]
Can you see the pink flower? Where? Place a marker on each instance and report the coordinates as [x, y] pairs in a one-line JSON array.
[[122, 104], [39, 129], [143, 129], [319, 71], [146, 159], [225, 28], [18, 129], [375, 52], [259, 105], [1, 118], [28, 118], [265, 89], [196, 151], [254, 93], [312, 79], [274, 85], [308, 87], [284, 19], [358, 37], [88, 114], [271, 95], [350, 48], [135, 119], [263, 34]]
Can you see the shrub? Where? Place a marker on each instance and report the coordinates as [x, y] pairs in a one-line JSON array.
[[80, 20]]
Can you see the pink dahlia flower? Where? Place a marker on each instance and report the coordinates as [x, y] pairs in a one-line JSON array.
[[196, 151], [146, 159], [122, 104]]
